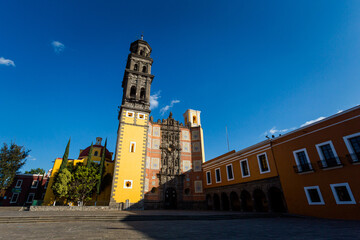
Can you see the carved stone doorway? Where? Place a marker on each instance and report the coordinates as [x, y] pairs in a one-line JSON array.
[[170, 198]]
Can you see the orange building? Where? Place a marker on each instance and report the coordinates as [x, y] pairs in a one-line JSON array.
[[314, 168]]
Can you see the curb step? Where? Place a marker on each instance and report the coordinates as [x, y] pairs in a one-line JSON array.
[[133, 218]]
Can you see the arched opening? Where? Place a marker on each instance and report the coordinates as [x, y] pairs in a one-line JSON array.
[[144, 69], [187, 191], [194, 119], [142, 53], [276, 200], [234, 201], [225, 202], [142, 94], [96, 153], [260, 202], [136, 67], [133, 92], [170, 198], [216, 202], [209, 202], [246, 203]]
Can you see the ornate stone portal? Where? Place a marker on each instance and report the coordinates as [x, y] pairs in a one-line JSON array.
[[170, 176]]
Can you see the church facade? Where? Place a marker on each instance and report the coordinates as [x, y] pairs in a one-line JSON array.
[[157, 164]]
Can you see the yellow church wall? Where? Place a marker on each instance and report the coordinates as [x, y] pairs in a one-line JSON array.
[[104, 195], [130, 164]]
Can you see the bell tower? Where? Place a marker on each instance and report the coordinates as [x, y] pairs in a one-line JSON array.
[[137, 78], [130, 156]]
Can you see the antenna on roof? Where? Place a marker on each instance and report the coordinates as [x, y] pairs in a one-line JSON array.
[[227, 139]]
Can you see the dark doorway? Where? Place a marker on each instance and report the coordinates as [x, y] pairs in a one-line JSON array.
[[225, 202], [276, 200], [216, 202], [260, 201], [209, 202], [234, 201], [246, 202], [170, 198]]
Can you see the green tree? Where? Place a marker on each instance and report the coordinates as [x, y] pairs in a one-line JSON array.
[[12, 158], [101, 169], [65, 157], [88, 164], [35, 171], [82, 185], [61, 184]]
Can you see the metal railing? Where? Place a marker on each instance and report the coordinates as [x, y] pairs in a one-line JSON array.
[[329, 163], [353, 158], [301, 168]]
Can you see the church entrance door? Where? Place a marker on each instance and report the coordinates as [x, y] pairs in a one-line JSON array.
[[170, 198]]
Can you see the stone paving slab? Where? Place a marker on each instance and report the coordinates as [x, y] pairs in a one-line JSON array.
[[262, 228]]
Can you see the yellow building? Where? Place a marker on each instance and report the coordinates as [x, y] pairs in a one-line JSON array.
[[103, 198]]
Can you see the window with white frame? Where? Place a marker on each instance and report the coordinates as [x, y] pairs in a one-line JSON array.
[[208, 177], [263, 163], [313, 195], [130, 114], [132, 146], [198, 186], [30, 197], [14, 198], [217, 175], [342, 193], [197, 165], [230, 173], [327, 154], [141, 116], [302, 160], [244, 165], [353, 145], [18, 183], [34, 184], [46, 184]]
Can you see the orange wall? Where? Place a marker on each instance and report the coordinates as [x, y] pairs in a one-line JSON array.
[[234, 159], [293, 184]]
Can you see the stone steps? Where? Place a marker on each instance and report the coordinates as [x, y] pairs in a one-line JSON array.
[[124, 217]]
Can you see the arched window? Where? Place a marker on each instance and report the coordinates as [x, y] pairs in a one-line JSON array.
[[96, 153], [142, 52], [144, 69], [135, 67], [133, 92], [194, 119], [142, 94]]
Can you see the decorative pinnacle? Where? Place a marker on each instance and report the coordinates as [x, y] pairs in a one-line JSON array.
[[142, 36]]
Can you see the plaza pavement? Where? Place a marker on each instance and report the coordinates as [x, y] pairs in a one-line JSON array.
[[176, 225]]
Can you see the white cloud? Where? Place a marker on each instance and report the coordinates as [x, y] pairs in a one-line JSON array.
[[274, 131], [154, 103], [312, 121], [167, 107], [31, 158], [6, 62], [58, 46]]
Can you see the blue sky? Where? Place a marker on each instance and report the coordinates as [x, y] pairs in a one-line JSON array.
[[254, 66]]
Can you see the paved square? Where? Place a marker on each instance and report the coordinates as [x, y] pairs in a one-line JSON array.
[[252, 228]]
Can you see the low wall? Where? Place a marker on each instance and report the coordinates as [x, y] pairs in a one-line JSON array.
[[70, 208]]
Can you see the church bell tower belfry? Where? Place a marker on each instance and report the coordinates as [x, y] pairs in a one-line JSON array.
[[130, 155]]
